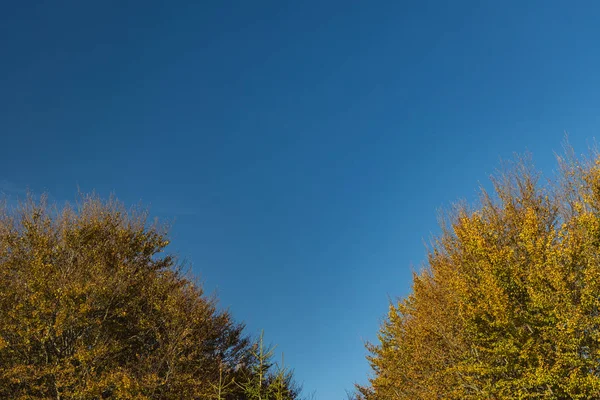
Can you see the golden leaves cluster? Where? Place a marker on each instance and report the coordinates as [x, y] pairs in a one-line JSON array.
[[91, 307], [508, 304]]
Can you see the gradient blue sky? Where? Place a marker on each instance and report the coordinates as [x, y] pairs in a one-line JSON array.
[[301, 147]]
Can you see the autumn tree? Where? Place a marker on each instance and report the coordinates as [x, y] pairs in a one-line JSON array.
[[508, 303], [92, 307]]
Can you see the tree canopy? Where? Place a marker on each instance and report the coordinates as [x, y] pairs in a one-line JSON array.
[[92, 307], [508, 303]]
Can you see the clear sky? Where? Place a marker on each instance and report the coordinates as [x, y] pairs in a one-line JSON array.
[[302, 148]]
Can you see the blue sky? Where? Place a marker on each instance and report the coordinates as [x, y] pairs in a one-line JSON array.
[[301, 148]]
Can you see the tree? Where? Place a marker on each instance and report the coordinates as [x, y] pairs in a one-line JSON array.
[[262, 383], [508, 303], [282, 386], [92, 307], [255, 386]]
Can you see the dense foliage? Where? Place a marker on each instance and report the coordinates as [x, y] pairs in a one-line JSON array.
[[91, 307], [508, 304]]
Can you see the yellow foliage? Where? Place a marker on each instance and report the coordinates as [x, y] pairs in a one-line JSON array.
[[91, 308], [508, 305]]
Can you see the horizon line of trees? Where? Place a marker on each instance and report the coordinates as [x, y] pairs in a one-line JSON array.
[[507, 305]]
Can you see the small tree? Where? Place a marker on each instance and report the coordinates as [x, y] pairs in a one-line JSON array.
[[225, 385], [256, 385], [281, 386], [264, 383]]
